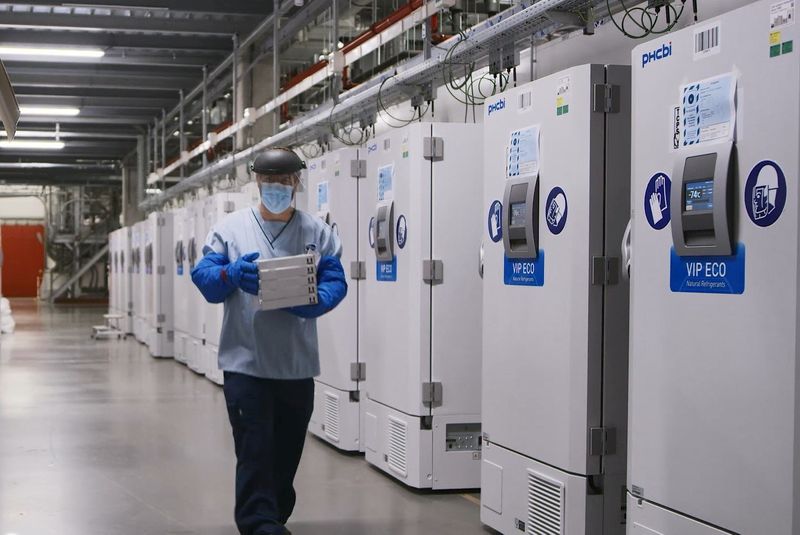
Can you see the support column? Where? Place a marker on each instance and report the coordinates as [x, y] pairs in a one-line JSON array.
[[276, 65], [204, 113], [336, 79], [141, 178], [181, 135], [163, 146], [236, 113]]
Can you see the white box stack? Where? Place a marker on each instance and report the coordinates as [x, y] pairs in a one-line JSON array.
[[289, 281]]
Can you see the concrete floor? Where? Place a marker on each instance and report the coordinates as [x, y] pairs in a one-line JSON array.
[[98, 438]]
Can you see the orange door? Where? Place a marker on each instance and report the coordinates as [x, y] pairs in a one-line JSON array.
[[23, 259]]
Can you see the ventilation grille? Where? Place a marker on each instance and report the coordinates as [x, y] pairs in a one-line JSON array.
[[398, 446], [545, 506], [332, 416]]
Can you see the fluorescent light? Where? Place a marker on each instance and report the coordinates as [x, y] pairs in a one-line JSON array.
[[49, 110], [176, 133], [30, 133], [153, 191], [31, 144], [11, 50], [28, 165], [115, 6], [189, 123]]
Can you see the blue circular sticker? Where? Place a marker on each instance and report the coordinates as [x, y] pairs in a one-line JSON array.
[[656, 201], [494, 221], [557, 208], [402, 231], [765, 193], [371, 232]]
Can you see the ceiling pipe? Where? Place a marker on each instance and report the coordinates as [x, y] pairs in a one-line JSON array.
[[265, 27], [517, 22]]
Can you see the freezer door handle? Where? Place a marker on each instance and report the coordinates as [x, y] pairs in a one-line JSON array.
[[626, 252], [481, 257]]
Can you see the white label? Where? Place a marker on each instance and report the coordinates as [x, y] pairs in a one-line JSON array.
[[707, 41], [523, 153], [525, 100], [708, 110], [781, 14], [676, 128]]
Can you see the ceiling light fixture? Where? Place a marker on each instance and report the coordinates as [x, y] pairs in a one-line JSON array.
[[7, 51], [114, 6], [30, 133], [31, 144], [49, 110]]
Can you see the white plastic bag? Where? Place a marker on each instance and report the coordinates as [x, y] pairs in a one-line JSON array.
[[7, 323]]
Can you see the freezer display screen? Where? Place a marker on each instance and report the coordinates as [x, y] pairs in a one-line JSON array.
[[519, 211], [382, 229], [699, 196]]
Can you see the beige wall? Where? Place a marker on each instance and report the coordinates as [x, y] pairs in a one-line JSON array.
[[21, 208]]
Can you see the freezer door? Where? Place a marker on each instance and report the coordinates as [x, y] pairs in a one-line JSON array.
[[333, 193], [396, 302]]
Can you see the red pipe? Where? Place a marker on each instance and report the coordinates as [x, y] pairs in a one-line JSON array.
[[297, 78], [382, 24], [197, 143]]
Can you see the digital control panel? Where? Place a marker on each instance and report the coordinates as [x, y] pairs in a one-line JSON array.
[[518, 213], [521, 219], [699, 196], [704, 192], [384, 238]]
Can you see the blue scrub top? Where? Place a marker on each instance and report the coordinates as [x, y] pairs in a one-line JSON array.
[[271, 344]]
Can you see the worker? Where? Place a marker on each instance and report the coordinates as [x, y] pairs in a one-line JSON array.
[[269, 358]]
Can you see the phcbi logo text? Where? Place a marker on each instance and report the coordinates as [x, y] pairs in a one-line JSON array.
[[372, 148], [497, 106], [658, 54]]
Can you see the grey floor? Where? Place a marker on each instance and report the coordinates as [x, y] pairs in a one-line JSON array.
[[98, 438]]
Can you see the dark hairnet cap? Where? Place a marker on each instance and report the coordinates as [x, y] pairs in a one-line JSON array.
[[277, 162]]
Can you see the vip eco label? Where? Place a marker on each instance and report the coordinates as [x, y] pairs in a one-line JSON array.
[[524, 271], [386, 270], [708, 274]]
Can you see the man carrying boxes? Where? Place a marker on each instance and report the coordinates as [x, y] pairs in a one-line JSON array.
[[268, 344]]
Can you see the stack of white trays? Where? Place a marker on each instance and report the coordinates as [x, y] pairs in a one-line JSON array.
[[289, 281]]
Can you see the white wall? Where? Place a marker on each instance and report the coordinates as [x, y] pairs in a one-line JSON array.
[[21, 208]]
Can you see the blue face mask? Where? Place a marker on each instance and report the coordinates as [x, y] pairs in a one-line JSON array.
[[277, 198]]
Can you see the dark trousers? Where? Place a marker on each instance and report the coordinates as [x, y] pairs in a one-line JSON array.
[[269, 420]]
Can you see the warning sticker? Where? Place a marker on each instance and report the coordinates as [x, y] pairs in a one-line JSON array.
[[781, 14], [562, 96], [523, 153], [385, 183], [708, 110]]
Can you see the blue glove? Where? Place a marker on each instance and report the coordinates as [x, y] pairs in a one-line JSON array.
[[243, 273], [217, 278], [331, 289]]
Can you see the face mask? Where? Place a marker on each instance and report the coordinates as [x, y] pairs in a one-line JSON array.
[[277, 198]]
